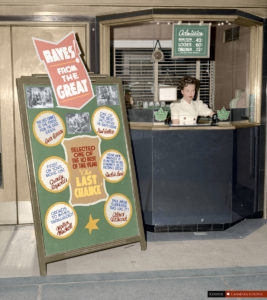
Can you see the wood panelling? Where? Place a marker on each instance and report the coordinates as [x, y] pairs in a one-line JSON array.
[[104, 49], [255, 69], [97, 8], [146, 31], [143, 3]]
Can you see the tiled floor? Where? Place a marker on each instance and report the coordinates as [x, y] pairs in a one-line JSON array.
[[182, 265], [178, 284]]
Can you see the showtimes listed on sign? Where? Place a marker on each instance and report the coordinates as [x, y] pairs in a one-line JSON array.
[[191, 41]]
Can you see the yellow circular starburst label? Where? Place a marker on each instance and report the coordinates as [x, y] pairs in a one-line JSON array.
[[118, 210], [54, 174], [106, 123], [48, 128], [113, 165], [61, 220]]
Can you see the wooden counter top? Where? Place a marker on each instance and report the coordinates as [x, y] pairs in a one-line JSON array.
[[244, 125], [151, 126]]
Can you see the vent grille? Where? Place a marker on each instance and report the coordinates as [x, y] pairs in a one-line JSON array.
[[231, 34]]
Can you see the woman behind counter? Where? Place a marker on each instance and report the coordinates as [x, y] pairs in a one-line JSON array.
[[186, 110]]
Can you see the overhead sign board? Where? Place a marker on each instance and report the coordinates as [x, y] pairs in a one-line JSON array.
[[191, 41]]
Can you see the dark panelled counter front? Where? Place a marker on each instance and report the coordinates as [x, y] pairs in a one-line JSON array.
[[186, 177]]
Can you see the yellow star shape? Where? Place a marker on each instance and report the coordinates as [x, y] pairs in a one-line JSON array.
[[92, 224]]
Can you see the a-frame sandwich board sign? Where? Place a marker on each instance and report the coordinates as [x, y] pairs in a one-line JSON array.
[[81, 171]]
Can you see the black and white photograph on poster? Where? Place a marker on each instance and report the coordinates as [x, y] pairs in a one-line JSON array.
[[78, 123], [39, 97], [107, 95]]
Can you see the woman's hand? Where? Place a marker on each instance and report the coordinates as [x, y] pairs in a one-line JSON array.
[[211, 114], [175, 121]]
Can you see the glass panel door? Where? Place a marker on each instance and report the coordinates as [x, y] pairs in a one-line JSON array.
[[8, 206], [26, 62], [18, 58]]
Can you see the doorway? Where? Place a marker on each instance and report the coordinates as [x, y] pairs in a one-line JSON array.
[[19, 58]]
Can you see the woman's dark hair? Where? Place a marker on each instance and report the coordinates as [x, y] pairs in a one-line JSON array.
[[189, 80]]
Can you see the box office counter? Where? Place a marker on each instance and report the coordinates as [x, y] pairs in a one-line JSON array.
[[196, 177]]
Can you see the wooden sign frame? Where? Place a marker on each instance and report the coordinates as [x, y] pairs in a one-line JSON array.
[[114, 234]]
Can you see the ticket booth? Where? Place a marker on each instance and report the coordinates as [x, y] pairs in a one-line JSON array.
[[202, 177]]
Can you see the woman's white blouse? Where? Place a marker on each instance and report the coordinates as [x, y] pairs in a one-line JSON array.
[[187, 113]]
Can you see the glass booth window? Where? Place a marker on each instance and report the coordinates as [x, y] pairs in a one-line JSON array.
[[224, 76], [136, 69], [232, 71]]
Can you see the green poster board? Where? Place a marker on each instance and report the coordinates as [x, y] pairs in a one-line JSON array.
[[81, 171], [190, 41]]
